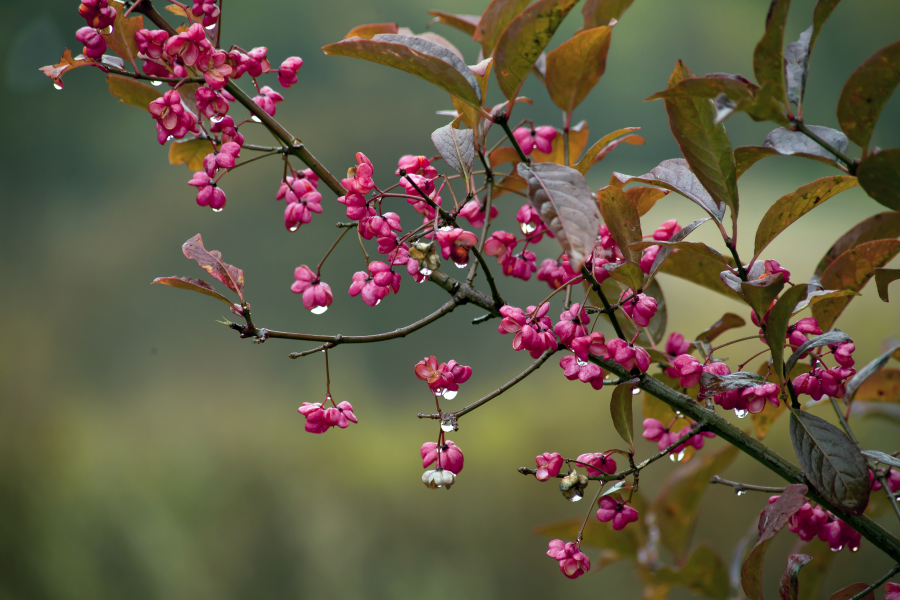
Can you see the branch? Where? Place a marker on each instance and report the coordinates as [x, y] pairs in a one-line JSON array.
[[801, 127], [894, 570], [746, 487]]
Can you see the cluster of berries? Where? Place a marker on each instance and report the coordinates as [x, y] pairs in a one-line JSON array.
[[443, 379], [811, 521]]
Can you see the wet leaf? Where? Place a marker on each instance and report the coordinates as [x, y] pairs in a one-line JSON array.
[[852, 386], [523, 40], [787, 142], [796, 63], [417, 56], [598, 13], [132, 92], [768, 56], [747, 156], [773, 518], [665, 251], [885, 459], [562, 198], [675, 175], [464, 23], [605, 145], [704, 144], [457, 148], [883, 278], [831, 462], [578, 138], [575, 67], [704, 574], [66, 63], [835, 336], [694, 268], [851, 591], [494, 21], [727, 322], [644, 198], [621, 217], [211, 262], [866, 92], [879, 175], [191, 152], [777, 326], [678, 501], [788, 588], [620, 407], [627, 273], [194, 285], [851, 271], [121, 39], [883, 386], [878, 227], [759, 293], [367, 32], [791, 207]]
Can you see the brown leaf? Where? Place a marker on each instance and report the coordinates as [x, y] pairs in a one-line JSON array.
[[598, 13], [644, 198], [367, 32], [866, 92], [578, 138], [878, 227], [851, 591], [585, 164], [132, 92], [621, 217], [66, 63], [194, 285], [883, 278], [190, 152], [883, 386], [503, 154], [575, 67], [494, 21], [121, 39], [464, 23], [211, 262], [727, 322], [788, 589]]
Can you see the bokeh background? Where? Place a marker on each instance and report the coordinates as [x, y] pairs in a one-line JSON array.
[[147, 452]]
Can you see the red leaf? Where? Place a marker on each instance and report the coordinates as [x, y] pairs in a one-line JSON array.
[[211, 262], [66, 63]]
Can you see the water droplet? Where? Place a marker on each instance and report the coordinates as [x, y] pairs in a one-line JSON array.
[[294, 227], [672, 457], [838, 549], [110, 30], [218, 209], [255, 118], [854, 549], [217, 119], [740, 414], [635, 391], [446, 427], [170, 138], [575, 497], [445, 228], [580, 362], [211, 27], [740, 492], [528, 227], [425, 271], [379, 302], [450, 394], [156, 83], [319, 310], [57, 86], [459, 266], [681, 455]]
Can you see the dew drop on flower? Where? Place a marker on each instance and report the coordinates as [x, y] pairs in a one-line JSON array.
[[459, 266], [156, 83], [170, 138], [256, 119], [672, 457], [57, 86], [575, 497], [681, 455], [378, 302], [446, 427], [450, 394], [218, 209], [293, 228], [425, 271], [216, 119], [740, 414], [319, 310], [838, 549], [740, 492], [635, 391], [445, 228], [211, 27], [110, 30], [528, 227], [854, 549]]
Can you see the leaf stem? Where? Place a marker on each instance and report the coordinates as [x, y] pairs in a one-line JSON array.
[[502, 119], [801, 127]]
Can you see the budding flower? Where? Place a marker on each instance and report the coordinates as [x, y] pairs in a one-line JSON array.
[[438, 478], [549, 464], [616, 511], [573, 485], [540, 138], [572, 562], [94, 44]]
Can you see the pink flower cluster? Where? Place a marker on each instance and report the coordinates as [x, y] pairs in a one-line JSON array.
[[892, 477], [557, 272], [549, 464], [572, 562], [301, 199], [612, 509], [599, 463], [823, 382], [811, 521], [443, 379], [358, 183], [750, 399], [316, 294], [171, 117], [501, 244], [455, 244], [531, 224], [98, 13], [319, 420], [375, 284], [540, 138], [448, 456], [640, 307], [475, 212], [533, 329], [655, 431], [208, 10]]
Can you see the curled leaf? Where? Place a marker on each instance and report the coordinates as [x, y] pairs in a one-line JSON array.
[[464, 23], [66, 63], [194, 285], [789, 587], [675, 175], [883, 278], [367, 32], [211, 262]]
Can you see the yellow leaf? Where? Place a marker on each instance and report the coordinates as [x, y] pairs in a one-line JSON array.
[[191, 152]]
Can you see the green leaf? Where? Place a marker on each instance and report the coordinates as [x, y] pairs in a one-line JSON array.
[[694, 247], [883, 278], [621, 217], [851, 271], [562, 198], [704, 144], [727, 322], [759, 293], [697, 269], [627, 273], [194, 285], [777, 326], [883, 386], [703, 574], [190, 152], [831, 462], [620, 407], [878, 227], [819, 295], [820, 15], [211, 262], [852, 386], [787, 142], [605, 145], [851, 591], [791, 207], [457, 148], [796, 62], [132, 92], [788, 589], [879, 175], [464, 23], [866, 92], [885, 459], [772, 519], [835, 336], [768, 56], [675, 175], [494, 20], [747, 156], [423, 58], [598, 13], [523, 40], [678, 502], [575, 67], [121, 38]]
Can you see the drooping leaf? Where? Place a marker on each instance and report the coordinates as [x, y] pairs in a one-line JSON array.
[[747, 156], [883, 386], [787, 142], [866, 92], [621, 217], [598, 13], [211, 262], [855, 382], [831, 462], [194, 285], [727, 322], [678, 501], [773, 518], [885, 459], [575, 67], [464, 23], [494, 21], [132, 92], [693, 247], [777, 326], [878, 227], [879, 175], [605, 145], [835, 336], [457, 148], [190, 152], [666, 251], [883, 278], [562, 198], [704, 144], [759, 293], [367, 32], [694, 268], [523, 40], [65, 64], [644, 198], [704, 574], [620, 407], [851, 591], [768, 56], [788, 589], [791, 207], [627, 273], [796, 62], [740, 93], [851, 271], [417, 56], [675, 175], [578, 139], [121, 39]]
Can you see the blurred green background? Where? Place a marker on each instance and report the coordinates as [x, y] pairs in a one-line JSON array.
[[147, 452]]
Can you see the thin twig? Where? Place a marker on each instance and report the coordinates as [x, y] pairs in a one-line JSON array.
[[894, 570], [746, 487]]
